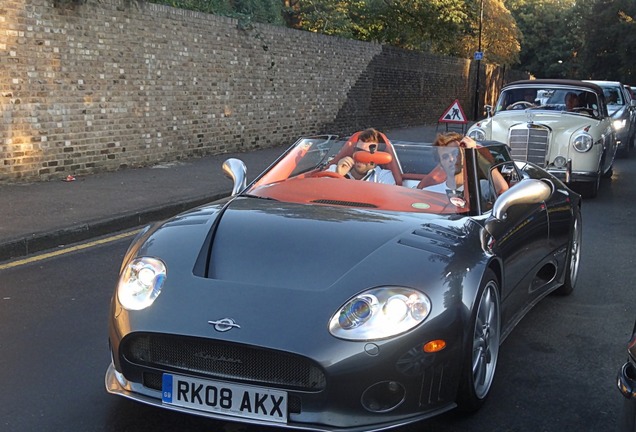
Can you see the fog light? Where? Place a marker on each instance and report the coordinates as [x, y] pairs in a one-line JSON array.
[[383, 397], [560, 162]]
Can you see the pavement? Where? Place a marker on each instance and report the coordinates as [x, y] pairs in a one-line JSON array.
[[40, 216]]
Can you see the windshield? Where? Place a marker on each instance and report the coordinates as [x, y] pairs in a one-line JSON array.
[[574, 100], [613, 95], [407, 177]]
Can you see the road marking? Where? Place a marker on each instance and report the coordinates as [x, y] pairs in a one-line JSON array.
[[66, 250]]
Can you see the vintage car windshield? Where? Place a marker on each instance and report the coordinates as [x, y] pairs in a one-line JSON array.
[[306, 174], [573, 100]]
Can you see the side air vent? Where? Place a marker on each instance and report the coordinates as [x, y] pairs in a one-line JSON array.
[[434, 239]]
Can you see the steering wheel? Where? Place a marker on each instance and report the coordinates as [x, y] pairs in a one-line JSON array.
[[584, 110], [331, 174], [520, 105]]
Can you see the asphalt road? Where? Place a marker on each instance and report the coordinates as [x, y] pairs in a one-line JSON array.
[[556, 370]]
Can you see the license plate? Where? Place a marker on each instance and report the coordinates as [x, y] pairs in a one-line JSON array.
[[224, 398]]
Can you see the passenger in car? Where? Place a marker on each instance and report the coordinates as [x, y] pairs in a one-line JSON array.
[[571, 101], [368, 141]]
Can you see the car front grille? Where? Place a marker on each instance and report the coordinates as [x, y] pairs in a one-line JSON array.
[[222, 360], [529, 143]]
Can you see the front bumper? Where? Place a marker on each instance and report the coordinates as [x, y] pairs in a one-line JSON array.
[[569, 177], [118, 385], [626, 381]]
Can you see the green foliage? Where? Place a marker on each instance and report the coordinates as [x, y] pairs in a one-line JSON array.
[[550, 38], [579, 39], [610, 42]]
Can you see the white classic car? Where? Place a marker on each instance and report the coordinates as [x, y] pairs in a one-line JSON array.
[[561, 125]]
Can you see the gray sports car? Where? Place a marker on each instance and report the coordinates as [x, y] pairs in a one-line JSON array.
[[311, 301]]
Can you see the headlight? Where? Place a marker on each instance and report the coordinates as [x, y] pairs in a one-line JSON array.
[[140, 283], [619, 124], [582, 142], [380, 313], [477, 134]]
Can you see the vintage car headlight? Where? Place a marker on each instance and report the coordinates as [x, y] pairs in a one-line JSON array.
[[619, 124], [140, 283], [582, 142], [380, 313], [477, 134]]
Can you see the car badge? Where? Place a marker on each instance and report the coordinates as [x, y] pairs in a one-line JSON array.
[[529, 118], [224, 324]]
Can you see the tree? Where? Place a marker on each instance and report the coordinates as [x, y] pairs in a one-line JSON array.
[[550, 38], [499, 34], [610, 42]]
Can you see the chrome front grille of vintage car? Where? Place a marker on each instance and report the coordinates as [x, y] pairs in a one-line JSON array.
[[529, 142], [222, 360]]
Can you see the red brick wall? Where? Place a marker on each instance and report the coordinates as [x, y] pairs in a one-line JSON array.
[[115, 83]]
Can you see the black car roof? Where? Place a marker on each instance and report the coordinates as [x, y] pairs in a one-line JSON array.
[[563, 82]]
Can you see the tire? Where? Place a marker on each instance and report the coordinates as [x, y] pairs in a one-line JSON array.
[[480, 358], [574, 257], [590, 189]]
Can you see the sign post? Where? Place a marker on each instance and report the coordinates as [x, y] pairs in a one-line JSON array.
[[454, 114]]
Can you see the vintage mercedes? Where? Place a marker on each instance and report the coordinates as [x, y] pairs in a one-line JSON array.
[[562, 126]]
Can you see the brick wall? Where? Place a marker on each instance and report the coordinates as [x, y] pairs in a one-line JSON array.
[[108, 84]]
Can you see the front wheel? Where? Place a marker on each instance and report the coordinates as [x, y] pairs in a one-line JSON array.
[[480, 360], [590, 189], [574, 257]]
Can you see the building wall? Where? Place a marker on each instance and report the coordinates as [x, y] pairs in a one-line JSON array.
[[106, 84]]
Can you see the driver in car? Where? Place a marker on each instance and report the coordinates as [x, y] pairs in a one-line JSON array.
[[360, 170], [450, 160]]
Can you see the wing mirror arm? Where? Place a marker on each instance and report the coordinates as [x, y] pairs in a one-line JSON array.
[[528, 191], [236, 171]]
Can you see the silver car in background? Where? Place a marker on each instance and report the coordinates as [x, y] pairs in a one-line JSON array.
[[622, 108], [561, 125]]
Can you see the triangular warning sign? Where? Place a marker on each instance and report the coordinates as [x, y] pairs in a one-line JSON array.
[[454, 114]]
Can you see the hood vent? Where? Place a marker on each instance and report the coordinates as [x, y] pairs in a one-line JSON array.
[[344, 203], [434, 239]]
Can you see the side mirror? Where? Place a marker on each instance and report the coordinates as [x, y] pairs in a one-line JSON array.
[[488, 109], [528, 191], [236, 171]]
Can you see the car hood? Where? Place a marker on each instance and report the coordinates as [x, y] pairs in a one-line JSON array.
[[271, 265], [288, 245], [557, 121], [617, 111]]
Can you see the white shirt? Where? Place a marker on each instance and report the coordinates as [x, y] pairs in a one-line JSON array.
[[376, 175]]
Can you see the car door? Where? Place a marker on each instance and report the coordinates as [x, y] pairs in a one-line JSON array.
[[521, 240]]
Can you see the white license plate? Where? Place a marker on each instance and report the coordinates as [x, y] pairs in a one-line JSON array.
[[224, 398]]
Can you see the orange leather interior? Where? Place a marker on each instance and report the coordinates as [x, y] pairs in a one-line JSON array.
[[434, 177]]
